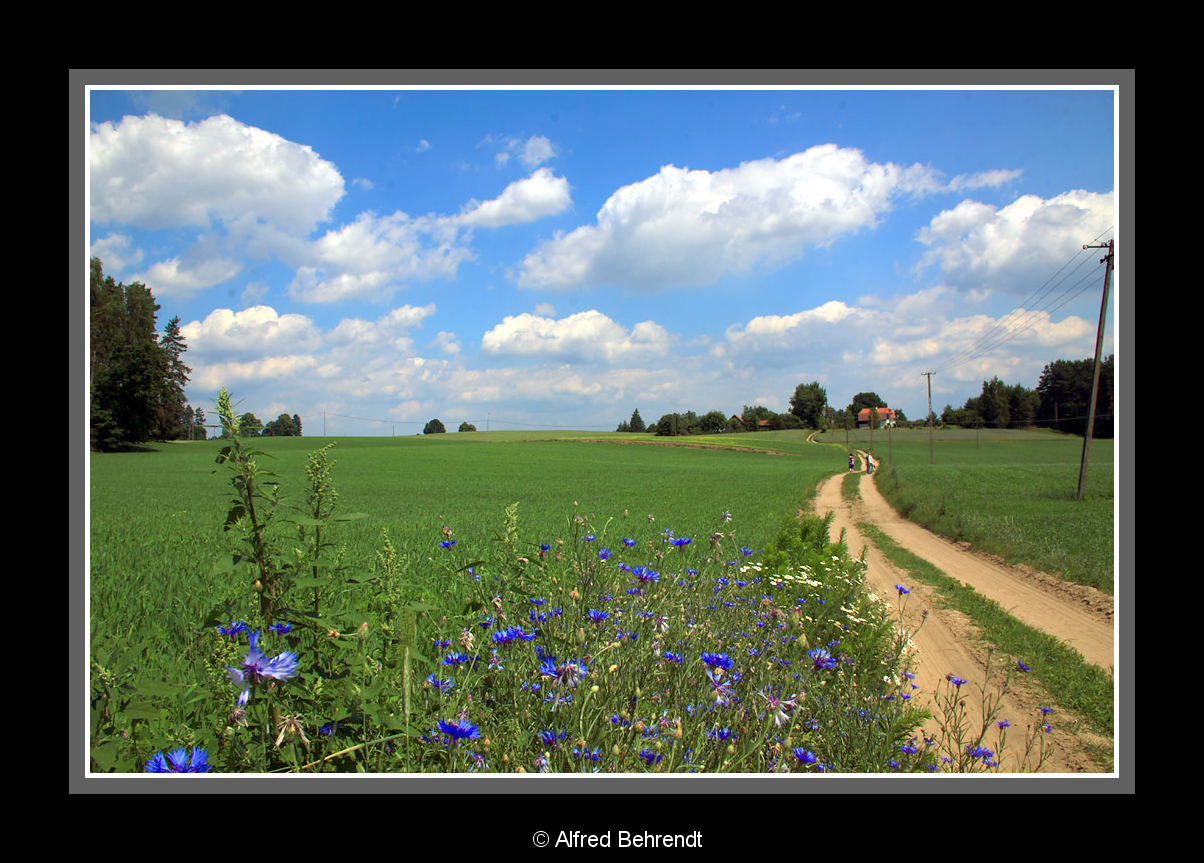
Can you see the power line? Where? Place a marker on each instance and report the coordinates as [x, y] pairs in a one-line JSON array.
[[1024, 318]]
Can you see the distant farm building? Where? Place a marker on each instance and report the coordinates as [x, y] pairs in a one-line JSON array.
[[887, 418]]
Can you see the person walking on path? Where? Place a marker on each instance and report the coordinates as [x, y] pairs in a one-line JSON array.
[[852, 462], [869, 464]]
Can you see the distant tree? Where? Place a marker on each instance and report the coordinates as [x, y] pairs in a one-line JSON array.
[[249, 425], [636, 424], [752, 416], [199, 432], [282, 426], [624, 426], [712, 422], [994, 405], [434, 427], [1064, 396], [865, 400], [297, 424], [467, 427], [808, 403], [786, 421], [676, 424]]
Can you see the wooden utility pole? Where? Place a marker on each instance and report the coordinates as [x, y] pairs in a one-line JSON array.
[[931, 455], [1099, 342]]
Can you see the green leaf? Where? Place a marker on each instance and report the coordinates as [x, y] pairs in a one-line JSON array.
[[141, 710], [157, 688]]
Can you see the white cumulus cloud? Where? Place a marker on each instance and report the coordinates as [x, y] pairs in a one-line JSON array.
[[1016, 248], [153, 172], [541, 194], [683, 227], [582, 337]]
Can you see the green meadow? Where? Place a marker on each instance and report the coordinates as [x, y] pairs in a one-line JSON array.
[[156, 515]]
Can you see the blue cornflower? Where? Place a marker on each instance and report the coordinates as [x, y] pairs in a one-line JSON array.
[[178, 762], [650, 756], [447, 543], [440, 685], [604, 554], [511, 633], [645, 575], [256, 668], [597, 616], [822, 659], [745, 551], [718, 660], [1022, 666], [590, 538], [902, 590], [568, 673], [681, 540], [280, 628], [805, 756], [669, 656], [720, 689], [727, 516], [455, 659], [233, 629], [956, 681], [630, 543], [461, 729], [1003, 723]]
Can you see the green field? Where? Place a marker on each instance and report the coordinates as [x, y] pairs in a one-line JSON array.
[[1008, 493], [550, 530], [156, 515]]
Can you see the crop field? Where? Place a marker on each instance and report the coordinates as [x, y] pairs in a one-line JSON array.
[[1009, 493], [490, 602]]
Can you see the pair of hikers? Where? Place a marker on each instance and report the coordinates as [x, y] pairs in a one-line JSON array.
[[869, 463]]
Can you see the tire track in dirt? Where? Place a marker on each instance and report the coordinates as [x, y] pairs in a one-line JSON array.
[[946, 643]]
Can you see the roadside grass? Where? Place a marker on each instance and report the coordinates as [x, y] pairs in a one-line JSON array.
[[1072, 682]]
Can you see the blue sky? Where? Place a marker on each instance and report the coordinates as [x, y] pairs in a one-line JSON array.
[[560, 257]]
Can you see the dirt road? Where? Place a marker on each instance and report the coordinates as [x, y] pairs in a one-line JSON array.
[[946, 640]]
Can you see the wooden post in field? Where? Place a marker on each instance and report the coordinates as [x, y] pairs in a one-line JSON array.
[[931, 454], [1099, 341]]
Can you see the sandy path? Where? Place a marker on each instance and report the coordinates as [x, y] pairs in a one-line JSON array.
[[1075, 614], [945, 642]]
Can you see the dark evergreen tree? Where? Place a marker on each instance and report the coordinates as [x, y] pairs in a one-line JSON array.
[[297, 424], [170, 416], [130, 372], [637, 423]]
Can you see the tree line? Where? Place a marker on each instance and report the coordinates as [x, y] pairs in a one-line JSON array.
[[137, 377], [808, 409], [1061, 401]]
